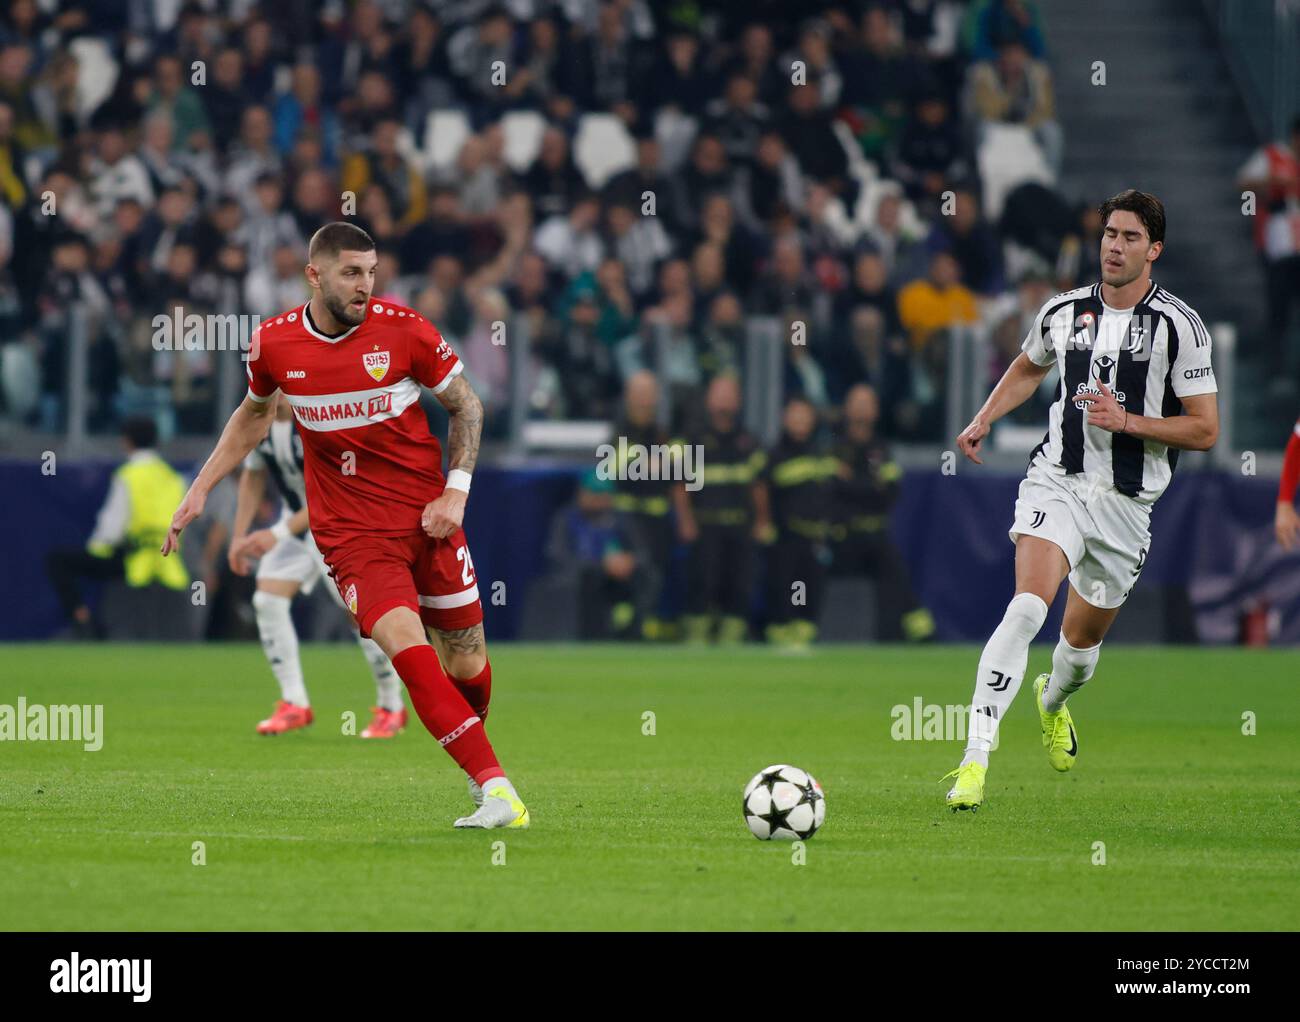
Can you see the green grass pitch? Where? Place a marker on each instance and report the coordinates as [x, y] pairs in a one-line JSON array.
[[322, 830]]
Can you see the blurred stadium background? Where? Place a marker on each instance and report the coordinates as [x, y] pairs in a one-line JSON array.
[[648, 189]]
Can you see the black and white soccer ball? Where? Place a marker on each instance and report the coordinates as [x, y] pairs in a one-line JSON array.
[[784, 803]]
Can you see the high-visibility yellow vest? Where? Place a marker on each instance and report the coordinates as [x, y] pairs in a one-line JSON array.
[[155, 489]]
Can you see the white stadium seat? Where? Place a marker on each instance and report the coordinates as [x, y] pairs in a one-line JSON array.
[[445, 132], [523, 131], [97, 72], [1008, 156], [602, 148]]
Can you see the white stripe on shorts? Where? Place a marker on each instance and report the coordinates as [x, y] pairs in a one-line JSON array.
[[454, 600]]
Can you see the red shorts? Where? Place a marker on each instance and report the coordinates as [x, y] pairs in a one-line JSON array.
[[434, 577]]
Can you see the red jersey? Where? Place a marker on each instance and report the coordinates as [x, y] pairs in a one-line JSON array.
[[1290, 468], [370, 462]]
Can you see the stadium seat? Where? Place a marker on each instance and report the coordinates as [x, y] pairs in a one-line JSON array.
[[602, 148], [97, 72], [1008, 156], [445, 132], [523, 138], [675, 132]]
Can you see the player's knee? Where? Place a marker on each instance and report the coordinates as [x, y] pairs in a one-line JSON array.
[[466, 664], [1026, 613], [270, 605], [1079, 643]]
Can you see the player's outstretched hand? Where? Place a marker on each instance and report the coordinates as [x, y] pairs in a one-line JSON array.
[[970, 438], [444, 515], [1104, 411], [1287, 525], [256, 544], [191, 507]]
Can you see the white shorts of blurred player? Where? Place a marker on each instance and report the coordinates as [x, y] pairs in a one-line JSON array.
[[1104, 534], [296, 559]]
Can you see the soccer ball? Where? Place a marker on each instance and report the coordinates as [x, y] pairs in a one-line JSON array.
[[785, 803]]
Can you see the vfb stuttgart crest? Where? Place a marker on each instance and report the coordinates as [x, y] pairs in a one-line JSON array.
[[350, 598], [376, 363]]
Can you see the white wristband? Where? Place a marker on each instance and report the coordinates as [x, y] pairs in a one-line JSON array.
[[280, 530], [458, 480]]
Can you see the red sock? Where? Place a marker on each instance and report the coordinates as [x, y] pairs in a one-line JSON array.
[[445, 713], [477, 690]]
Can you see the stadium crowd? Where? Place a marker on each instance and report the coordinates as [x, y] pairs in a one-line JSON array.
[[604, 171], [626, 184]]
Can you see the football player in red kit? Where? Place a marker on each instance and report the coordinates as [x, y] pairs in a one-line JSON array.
[[386, 521], [1286, 523]]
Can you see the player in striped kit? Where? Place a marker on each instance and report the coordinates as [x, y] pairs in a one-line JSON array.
[[290, 563], [1137, 387]]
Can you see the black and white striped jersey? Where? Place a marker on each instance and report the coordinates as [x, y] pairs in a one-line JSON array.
[[280, 454], [1151, 356]]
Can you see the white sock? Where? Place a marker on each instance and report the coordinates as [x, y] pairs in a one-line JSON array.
[[280, 642], [499, 782], [388, 686], [1001, 670], [1071, 668]]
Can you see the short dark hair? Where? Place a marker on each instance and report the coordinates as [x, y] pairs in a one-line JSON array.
[[1149, 209], [338, 237], [140, 431]]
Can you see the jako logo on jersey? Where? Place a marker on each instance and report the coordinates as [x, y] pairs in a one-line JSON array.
[[296, 374], [376, 363], [350, 598]]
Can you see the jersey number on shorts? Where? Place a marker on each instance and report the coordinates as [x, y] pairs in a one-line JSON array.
[[466, 565]]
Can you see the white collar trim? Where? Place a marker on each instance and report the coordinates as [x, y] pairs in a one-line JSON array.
[[306, 322]]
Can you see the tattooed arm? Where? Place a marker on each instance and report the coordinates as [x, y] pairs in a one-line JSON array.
[[466, 429], [444, 515]]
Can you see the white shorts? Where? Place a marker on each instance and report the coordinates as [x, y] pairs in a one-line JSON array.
[[1104, 534], [296, 559]]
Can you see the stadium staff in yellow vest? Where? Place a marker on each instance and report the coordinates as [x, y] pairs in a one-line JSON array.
[[128, 532]]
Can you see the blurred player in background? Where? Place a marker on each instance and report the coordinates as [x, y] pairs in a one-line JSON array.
[[1136, 388], [384, 517], [1286, 523], [288, 564]]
